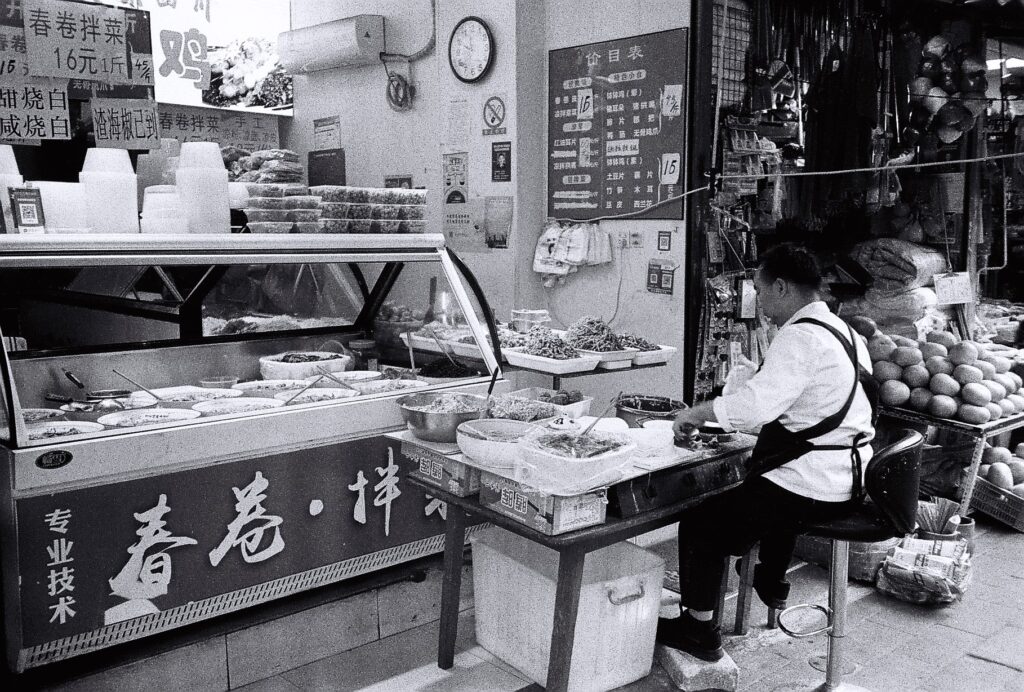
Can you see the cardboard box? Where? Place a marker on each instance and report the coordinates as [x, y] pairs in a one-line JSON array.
[[444, 471], [549, 514]]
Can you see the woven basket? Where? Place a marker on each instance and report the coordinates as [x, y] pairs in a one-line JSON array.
[[1001, 505], [865, 558]]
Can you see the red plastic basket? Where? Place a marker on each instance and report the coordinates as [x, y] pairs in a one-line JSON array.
[[1001, 505]]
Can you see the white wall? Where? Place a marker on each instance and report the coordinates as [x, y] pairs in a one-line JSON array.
[[379, 141]]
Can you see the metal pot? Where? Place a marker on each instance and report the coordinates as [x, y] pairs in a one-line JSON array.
[[637, 409], [438, 427]]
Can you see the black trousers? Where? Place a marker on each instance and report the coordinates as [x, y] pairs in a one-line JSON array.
[[731, 523]]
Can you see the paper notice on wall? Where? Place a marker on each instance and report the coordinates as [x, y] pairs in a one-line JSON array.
[[126, 123], [13, 58], [457, 131], [327, 133], [463, 226], [497, 221], [76, 41], [455, 169]]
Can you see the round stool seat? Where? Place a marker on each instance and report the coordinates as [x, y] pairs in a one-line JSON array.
[[864, 525]]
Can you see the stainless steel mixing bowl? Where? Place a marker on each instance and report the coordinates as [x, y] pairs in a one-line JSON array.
[[438, 427]]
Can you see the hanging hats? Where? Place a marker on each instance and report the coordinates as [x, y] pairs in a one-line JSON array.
[[935, 99], [919, 89], [952, 121], [936, 47]]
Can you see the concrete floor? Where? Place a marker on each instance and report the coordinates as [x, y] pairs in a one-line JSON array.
[[976, 645]]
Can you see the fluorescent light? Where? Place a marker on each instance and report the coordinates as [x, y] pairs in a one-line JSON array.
[[1011, 64]]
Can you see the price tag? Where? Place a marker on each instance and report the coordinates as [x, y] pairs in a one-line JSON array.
[[954, 288], [670, 169], [584, 104]]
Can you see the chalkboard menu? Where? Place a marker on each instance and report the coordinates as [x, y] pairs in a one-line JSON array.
[[616, 126]]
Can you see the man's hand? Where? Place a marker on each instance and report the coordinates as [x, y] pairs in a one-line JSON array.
[[689, 419]]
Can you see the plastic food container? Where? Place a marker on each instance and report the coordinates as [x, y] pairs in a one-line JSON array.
[[219, 382], [412, 227], [493, 442], [411, 211], [359, 225], [266, 214], [294, 189], [387, 226], [360, 211], [265, 190], [334, 225], [266, 203], [270, 226], [525, 320], [305, 215], [334, 210], [308, 227], [301, 202], [274, 368], [514, 595], [383, 211], [411, 196], [330, 193], [551, 470]]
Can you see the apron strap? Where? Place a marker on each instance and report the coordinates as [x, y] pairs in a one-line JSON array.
[[832, 422]]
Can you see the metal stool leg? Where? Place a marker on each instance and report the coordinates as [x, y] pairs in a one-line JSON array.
[[744, 592]]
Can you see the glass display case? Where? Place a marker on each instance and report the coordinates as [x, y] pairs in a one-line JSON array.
[[169, 391]]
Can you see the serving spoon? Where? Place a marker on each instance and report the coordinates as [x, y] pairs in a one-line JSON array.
[[145, 389]]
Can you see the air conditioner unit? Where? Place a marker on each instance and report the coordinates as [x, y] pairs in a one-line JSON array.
[[357, 40]]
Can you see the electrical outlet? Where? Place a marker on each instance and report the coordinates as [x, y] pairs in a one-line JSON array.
[[623, 240], [636, 239]]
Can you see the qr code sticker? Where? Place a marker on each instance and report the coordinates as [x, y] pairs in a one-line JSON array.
[[29, 215]]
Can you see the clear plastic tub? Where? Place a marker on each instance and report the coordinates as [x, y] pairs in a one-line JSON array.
[[525, 320], [266, 203], [308, 227], [304, 215], [411, 211], [552, 470], [334, 225], [301, 202], [266, 214], [383, 211], [359, 225], [331, 193], [270, 226], [412, 227], [514, 597], [265, 189], [387, 225]]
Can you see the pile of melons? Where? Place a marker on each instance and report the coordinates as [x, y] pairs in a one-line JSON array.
[[942, 375]]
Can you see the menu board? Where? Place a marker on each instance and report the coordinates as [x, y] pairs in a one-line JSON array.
[[616, 126], [248, 131]]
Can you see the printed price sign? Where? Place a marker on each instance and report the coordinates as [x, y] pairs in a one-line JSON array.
[[13, 58], [670, 169], [954, 288], [139, 46], [248, 131], [76, 41], [126, 123]]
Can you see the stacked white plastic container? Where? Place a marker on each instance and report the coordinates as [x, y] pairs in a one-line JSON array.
[[109, 186], [202, 182], [163, 211], [64, 208], [151, 166], [9, 177]]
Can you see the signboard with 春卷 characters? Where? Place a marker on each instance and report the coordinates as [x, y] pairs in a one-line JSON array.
[[617, 126], [184, 546]]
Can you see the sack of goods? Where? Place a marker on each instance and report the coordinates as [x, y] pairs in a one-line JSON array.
[[898, 265]]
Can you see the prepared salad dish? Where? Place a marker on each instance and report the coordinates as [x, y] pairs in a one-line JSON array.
[[308, 357], [133, 419], [185, 395], [45, 431], [575, 446], [447, 403], [637, 342], [517, 408], [541, 341], [242, 405], [592, 334], [38, 415], [262, 387], [312, 395]]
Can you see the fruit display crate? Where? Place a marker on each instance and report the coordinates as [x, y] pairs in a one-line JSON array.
[[989, 429], [998, 503]]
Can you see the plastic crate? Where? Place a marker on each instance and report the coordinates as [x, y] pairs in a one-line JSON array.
[[514, 596], [1001, 505]]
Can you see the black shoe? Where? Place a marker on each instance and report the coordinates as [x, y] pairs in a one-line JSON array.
[[772, 593], [695, 637]]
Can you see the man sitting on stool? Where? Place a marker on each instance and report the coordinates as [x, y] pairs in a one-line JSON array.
[[816, 422]]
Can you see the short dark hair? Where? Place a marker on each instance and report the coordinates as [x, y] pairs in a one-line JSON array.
[[793, 263]]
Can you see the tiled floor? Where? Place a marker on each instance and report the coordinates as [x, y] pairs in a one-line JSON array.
[[974, 646]]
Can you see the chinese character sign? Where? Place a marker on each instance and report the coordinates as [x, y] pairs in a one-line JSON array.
[[616, 126], [126, 123], [34, 109], [76, 41], [248, 131]]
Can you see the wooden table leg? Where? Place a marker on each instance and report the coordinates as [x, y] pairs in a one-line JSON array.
[[567, 601], [972, 475], [454, 544]]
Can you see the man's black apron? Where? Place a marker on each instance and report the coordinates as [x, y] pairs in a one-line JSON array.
[[777, 445]]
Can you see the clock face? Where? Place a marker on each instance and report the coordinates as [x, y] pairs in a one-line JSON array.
[[471, 49]]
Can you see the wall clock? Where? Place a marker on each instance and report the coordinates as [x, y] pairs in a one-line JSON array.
[[471, 50]]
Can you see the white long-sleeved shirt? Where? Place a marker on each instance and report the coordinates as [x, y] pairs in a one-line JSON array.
[[806, 376]]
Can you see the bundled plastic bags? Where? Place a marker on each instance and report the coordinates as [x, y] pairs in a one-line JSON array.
[[561, 249], [898, 265], [926, 572]]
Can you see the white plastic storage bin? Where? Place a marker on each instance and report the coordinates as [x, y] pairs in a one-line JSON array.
[[514, 594]]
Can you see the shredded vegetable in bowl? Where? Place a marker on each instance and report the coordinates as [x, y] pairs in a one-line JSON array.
[[637, 342], [541, 341], [592, 334], [519, 408], [447, 403]]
